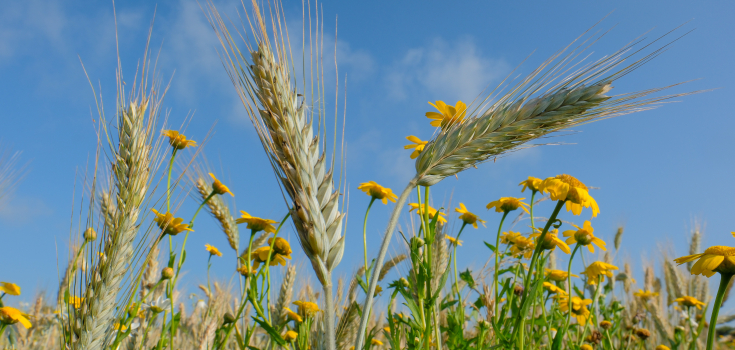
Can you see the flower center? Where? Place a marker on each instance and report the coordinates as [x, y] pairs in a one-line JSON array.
[[572, 181]]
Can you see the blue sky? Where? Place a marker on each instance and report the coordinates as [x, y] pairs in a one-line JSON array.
[[657, 172]]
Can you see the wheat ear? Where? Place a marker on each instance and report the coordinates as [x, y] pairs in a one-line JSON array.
[[221, 212], [284, 295]]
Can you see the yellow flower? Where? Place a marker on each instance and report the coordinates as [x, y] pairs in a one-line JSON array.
[[532, 184], [307, 308], [507, 204], [447, 115], [281, 247], [522, 246], [76, 301], [453, 240], [169, 224], [256, 224], [467, 217], [292, 315], [579, 308], [290, 336], [386, 329], [212, 250], [551, 241], [645, 295], [586, 347], [245, 271], [418, 146], [553, 288], [378, 192], [375, 342], [509, 237], [584, 236], [10, 315], [662, 347], [598, 268], [261, 254], [714, 259], [9, 288], [558, 275], [432, 212], [570, 190], [689, 301], [218, 187], [177, 140]]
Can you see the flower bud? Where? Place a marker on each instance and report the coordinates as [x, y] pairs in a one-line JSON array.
[[404, 282], [417, 242], [167, 273], [642, 333], [228, 318], [605, 324], [90, 235], [518, 290], [583, 237]]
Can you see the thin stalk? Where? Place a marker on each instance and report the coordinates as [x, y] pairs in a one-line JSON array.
[[569, 289], [168, 182], [594, 305], [495, 277], [367, 306], [724, 280], [454, 262], [243, 298], [364, 238]]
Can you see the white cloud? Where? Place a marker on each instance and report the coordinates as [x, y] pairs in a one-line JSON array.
[[448, 71]]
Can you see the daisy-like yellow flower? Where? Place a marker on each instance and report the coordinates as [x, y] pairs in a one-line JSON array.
[[432, 212], [570, 190], [75, 301], [290, 336], [178, 140], [467, 217], [448, 115], [689, 301], [509, 237], [714, 259], [596, 269], [261, 255], [418, 146], [11, 315], [662, 347], [378, 192], [376, 342], [212, 250], [558, 275], [281, 247], [292, 315], [169, 224], [256, 224], [553, 288], [584, 236], [645, 295], [533, 184], [508, 204], [453, 240], [551, 241], [307, 308], [9, 288], [579, 307], [522, 246], [386, 329], [218, 187], [246, 271]]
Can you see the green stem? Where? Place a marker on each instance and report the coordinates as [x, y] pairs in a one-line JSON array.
[[244, 294], [168, 182], [569, 289], [594, 305], [364, 239], [495, 277], [724, 280], [191, 223], [456, 279]]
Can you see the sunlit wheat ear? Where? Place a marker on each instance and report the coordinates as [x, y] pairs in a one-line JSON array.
[[220, 211], [284, 295]]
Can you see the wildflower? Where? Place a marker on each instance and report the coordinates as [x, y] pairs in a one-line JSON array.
[[584, 236], [9, 288], [281, 247], [89, 234], [418, 146], [290, 336], [218, 187], [228, 318], [261, 255], [177, 140], [212, 250], [552, 288], [167, 273], [533, 184], [467, 217], [75, 301], [432, 212], [558, 275], [10, 315], [376, 342], [551, 241], [689, 302], [522, 247], [645, 295], [169, 224], [642, 333], [579, 308], [307, 308], [453, 240], [714, 259], [447, 115], [157, 306], [256, 224], [596, 269], [586, 347], [570, 190], [662, 347], [292, 315], [507, 204], [605, 324], [509, 237], [386, 329], [378, 192], [246, 271]]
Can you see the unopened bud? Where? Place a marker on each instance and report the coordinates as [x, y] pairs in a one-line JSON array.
[[642, 333], [90, 235], [605, 325], [167, 273], [404, 282], [417, 242], [518, 290], [228, 318]]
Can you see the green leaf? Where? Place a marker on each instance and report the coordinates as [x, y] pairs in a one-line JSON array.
[[492, 247], [271, 331], [467, 277]]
